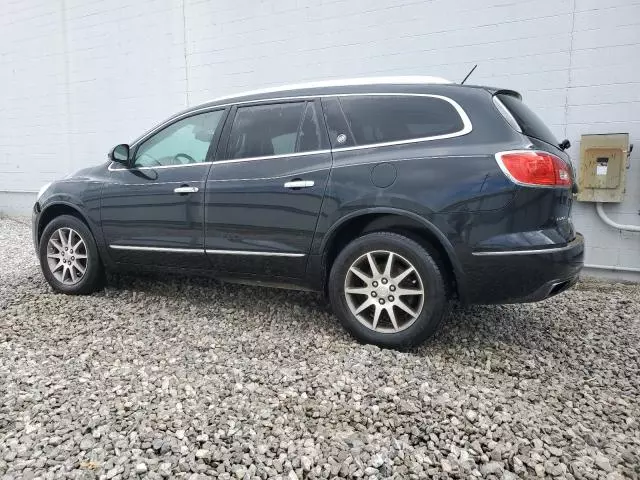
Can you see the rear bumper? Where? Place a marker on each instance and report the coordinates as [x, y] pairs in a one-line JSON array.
[[517, 276]]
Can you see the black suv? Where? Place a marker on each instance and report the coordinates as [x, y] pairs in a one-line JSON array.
[[393, 195]]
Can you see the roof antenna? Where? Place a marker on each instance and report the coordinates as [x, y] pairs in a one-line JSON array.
[[469, 74]]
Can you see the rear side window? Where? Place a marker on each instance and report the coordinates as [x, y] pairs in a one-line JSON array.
[[527, 120], [278, 129], [379, 119], [310, 135], [339, 133]]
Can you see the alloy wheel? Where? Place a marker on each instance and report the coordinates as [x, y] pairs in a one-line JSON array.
[[384, 291], [67, 256]]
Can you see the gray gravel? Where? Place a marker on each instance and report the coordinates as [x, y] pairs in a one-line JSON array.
[[195, 379]]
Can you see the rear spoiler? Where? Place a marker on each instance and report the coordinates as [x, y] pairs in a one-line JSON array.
[[496, 90], [502, 91]]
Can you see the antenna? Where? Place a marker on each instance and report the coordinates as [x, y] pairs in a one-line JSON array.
[[469, 74]]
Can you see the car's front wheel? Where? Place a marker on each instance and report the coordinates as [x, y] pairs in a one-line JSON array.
[[388, 290], [69, 257]]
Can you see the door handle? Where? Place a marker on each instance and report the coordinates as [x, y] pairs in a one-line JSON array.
[[184, 189], [299, 184]]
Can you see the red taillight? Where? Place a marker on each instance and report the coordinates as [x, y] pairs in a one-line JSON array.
[[530, 167]]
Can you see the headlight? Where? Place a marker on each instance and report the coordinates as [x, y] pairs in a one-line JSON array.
[[42, 190]]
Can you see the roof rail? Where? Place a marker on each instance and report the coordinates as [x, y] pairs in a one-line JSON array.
[[345, 82]]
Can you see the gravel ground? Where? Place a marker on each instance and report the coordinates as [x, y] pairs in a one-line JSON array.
[[195, 379]]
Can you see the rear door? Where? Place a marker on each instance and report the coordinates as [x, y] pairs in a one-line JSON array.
[[265, 189]]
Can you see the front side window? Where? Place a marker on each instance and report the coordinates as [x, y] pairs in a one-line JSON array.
[[279, 129], [379, 119], [183, 142]]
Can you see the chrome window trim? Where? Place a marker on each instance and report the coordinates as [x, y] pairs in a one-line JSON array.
[[467, 127], [466, 122], [253, 252], [205, 109], [235, 160], [284, 176], [523, 252], [133, 146], [156, 249], [281, 99], [270, 157], [111, 169]]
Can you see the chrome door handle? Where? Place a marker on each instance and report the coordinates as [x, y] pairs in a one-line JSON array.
[[182, 190], [299, 184]]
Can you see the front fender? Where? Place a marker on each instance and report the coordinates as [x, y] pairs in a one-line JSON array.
[[81, 198]]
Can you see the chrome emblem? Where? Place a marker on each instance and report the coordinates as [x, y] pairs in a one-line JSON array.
[[341, 138]]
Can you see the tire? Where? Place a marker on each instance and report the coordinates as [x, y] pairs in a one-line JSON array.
[[409, 330], [73, 281]]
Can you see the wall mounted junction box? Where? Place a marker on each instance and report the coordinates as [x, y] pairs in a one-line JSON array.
[[603, 167]]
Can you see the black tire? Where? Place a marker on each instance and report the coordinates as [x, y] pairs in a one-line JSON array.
[[93, 276], [435, 302]]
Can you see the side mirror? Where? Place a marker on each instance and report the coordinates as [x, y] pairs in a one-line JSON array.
[[120, 154]]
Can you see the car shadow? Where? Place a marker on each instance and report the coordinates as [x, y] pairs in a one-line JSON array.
[[201, 289], [536, 340], [492, 326], [480, 325]]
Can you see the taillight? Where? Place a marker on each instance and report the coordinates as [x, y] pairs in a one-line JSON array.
[[535, 168]]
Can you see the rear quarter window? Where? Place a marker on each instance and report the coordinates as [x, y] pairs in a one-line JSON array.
[[530, 124], [381, 119]]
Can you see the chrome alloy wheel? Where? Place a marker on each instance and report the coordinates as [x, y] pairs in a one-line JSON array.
[[67, 256], [384, 291]]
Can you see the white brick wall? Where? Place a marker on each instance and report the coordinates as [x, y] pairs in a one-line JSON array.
[[79, 76]]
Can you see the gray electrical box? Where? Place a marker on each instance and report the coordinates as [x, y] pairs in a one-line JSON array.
[[603, 167]]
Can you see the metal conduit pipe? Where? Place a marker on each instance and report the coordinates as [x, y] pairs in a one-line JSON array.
[[620, 226], [19, 191], [612, 268], [608, 221]]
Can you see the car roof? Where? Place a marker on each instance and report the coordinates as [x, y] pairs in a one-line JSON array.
[[329, 87], [345, 82]]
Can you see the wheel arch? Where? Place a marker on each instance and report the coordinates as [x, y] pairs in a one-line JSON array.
[[399, 221], [57, 209]]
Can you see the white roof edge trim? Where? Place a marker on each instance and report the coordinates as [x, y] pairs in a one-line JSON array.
[[345, 82]]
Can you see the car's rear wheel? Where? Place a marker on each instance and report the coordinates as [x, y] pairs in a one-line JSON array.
[[388, 290], [69, 257]]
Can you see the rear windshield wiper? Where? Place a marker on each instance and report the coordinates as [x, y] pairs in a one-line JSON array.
[[564, 144]]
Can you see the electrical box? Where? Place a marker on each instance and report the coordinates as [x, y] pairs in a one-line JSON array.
[[603, 167]]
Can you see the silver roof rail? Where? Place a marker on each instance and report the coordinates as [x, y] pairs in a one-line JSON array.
[[346, 82]]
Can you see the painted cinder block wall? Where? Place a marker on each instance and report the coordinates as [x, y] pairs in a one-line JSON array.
[[79, 76]]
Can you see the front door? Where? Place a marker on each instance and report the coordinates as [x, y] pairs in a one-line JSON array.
[[152, 213], [265, 190]]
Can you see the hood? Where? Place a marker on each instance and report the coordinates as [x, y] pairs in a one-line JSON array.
[[87, 173]]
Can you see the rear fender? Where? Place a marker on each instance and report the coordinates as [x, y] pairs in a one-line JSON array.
[[458, 272]]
